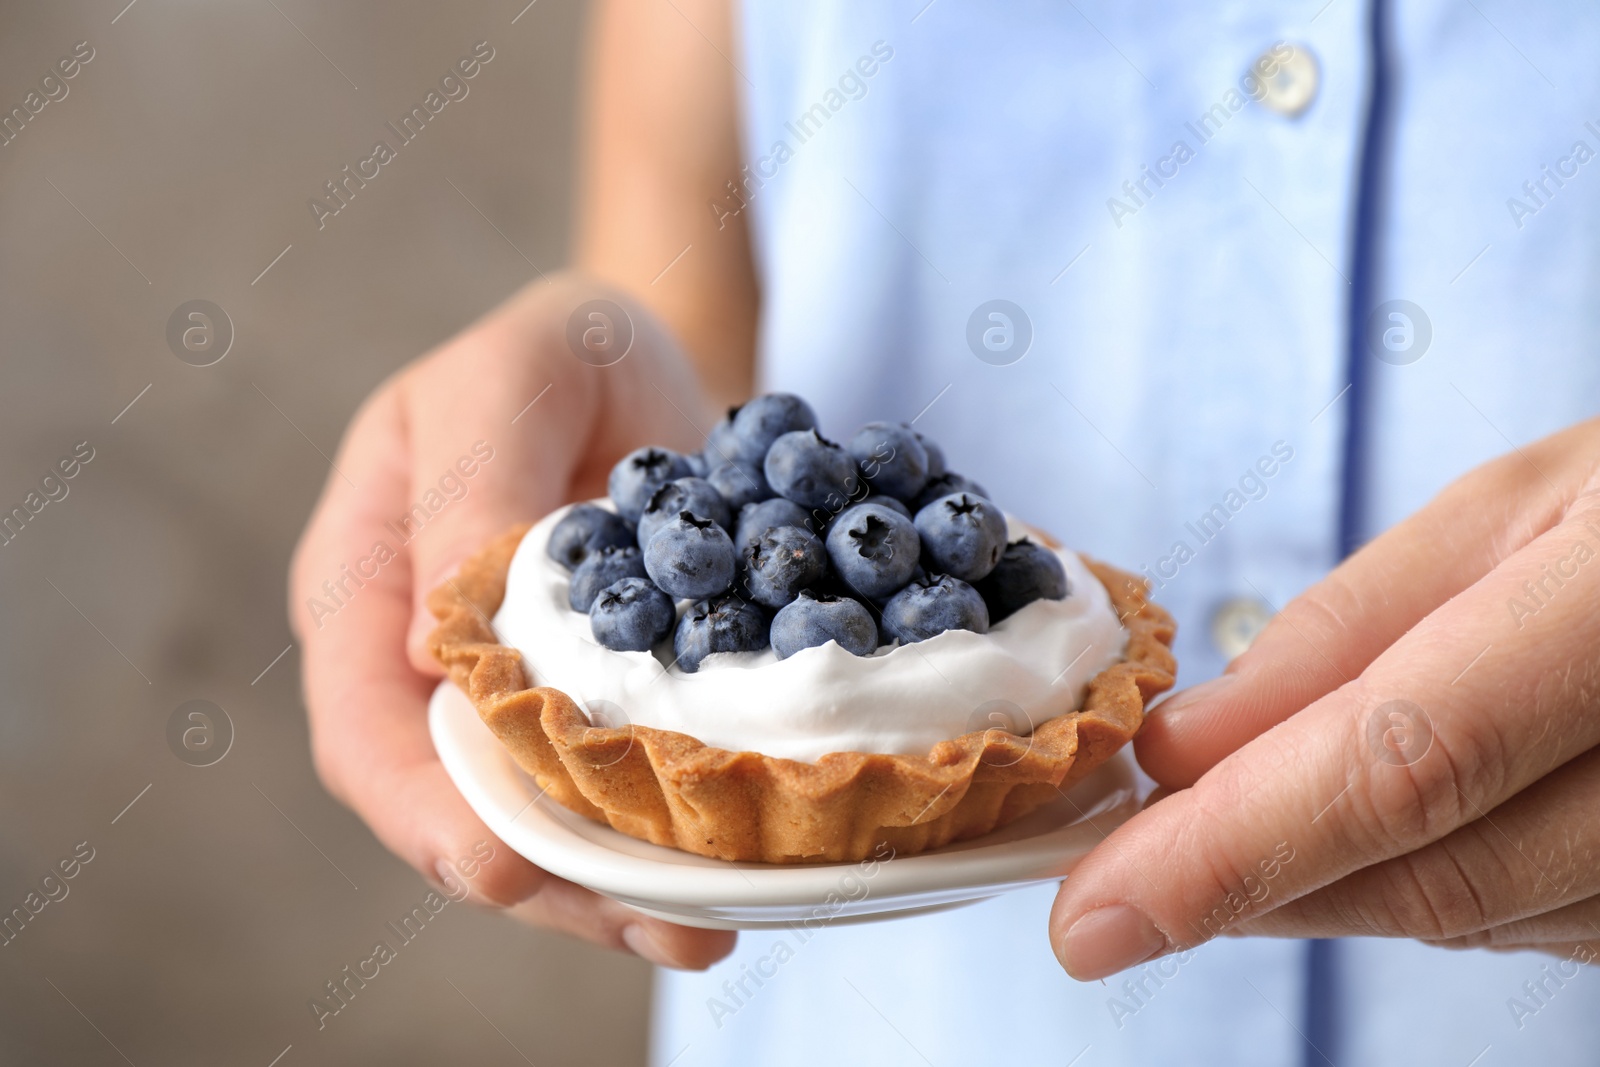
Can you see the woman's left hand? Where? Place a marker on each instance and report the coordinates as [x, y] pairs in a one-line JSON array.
[[1407, 750]]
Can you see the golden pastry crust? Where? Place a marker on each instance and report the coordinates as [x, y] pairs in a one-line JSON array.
[[670, 789]]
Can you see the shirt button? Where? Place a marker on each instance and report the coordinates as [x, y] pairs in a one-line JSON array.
[[1236, 623], [1285, 78]]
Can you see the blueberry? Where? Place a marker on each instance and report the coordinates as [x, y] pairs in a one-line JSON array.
[[783, 561], [873, 549], [599, 569], [740, 483], [1026, 572], [816, 619], [947, 483], [690, 558], [699, 466], [756, 519], [936, 468], [639, 474], [962, 535], [889, 502], [932, 606], [809, 469], [891, 458], [765, 419], [722, 444], [694, 495], [819, 520], [583, 529], [719, 624], [631, 615]]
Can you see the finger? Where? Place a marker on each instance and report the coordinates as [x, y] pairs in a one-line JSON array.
[[1334, 630], [1315, 784], [561, 905], [1543, 937], [367, 707], [1523, 872], [1554, 928]]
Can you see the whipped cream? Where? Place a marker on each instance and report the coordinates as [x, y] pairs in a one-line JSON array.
[[901, 699]]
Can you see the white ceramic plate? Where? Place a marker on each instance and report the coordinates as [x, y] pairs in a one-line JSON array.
[[696, 891]]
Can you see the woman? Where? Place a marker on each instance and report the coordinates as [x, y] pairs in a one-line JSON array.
[[1265, 288]]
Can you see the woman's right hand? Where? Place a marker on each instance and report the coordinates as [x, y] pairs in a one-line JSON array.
[[537, 426]]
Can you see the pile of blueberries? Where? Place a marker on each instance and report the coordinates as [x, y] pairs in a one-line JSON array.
[[779, 536]]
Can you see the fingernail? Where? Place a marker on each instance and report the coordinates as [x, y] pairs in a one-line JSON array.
[[1107, 940], [1196, 695], [638, 939]]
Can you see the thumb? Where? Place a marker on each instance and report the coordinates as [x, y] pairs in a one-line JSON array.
[[495, 433]]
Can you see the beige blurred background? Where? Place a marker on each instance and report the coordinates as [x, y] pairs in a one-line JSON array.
[[177, 167]]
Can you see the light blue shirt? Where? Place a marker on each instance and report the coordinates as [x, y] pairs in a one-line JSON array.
[[1184, 326]]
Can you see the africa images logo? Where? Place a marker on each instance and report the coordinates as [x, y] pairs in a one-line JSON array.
[[452, 87], [53, 89], [1252, 87], [851, 85]]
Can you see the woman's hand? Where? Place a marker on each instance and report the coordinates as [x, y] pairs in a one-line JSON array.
[[500, 425], [1408, 750]]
